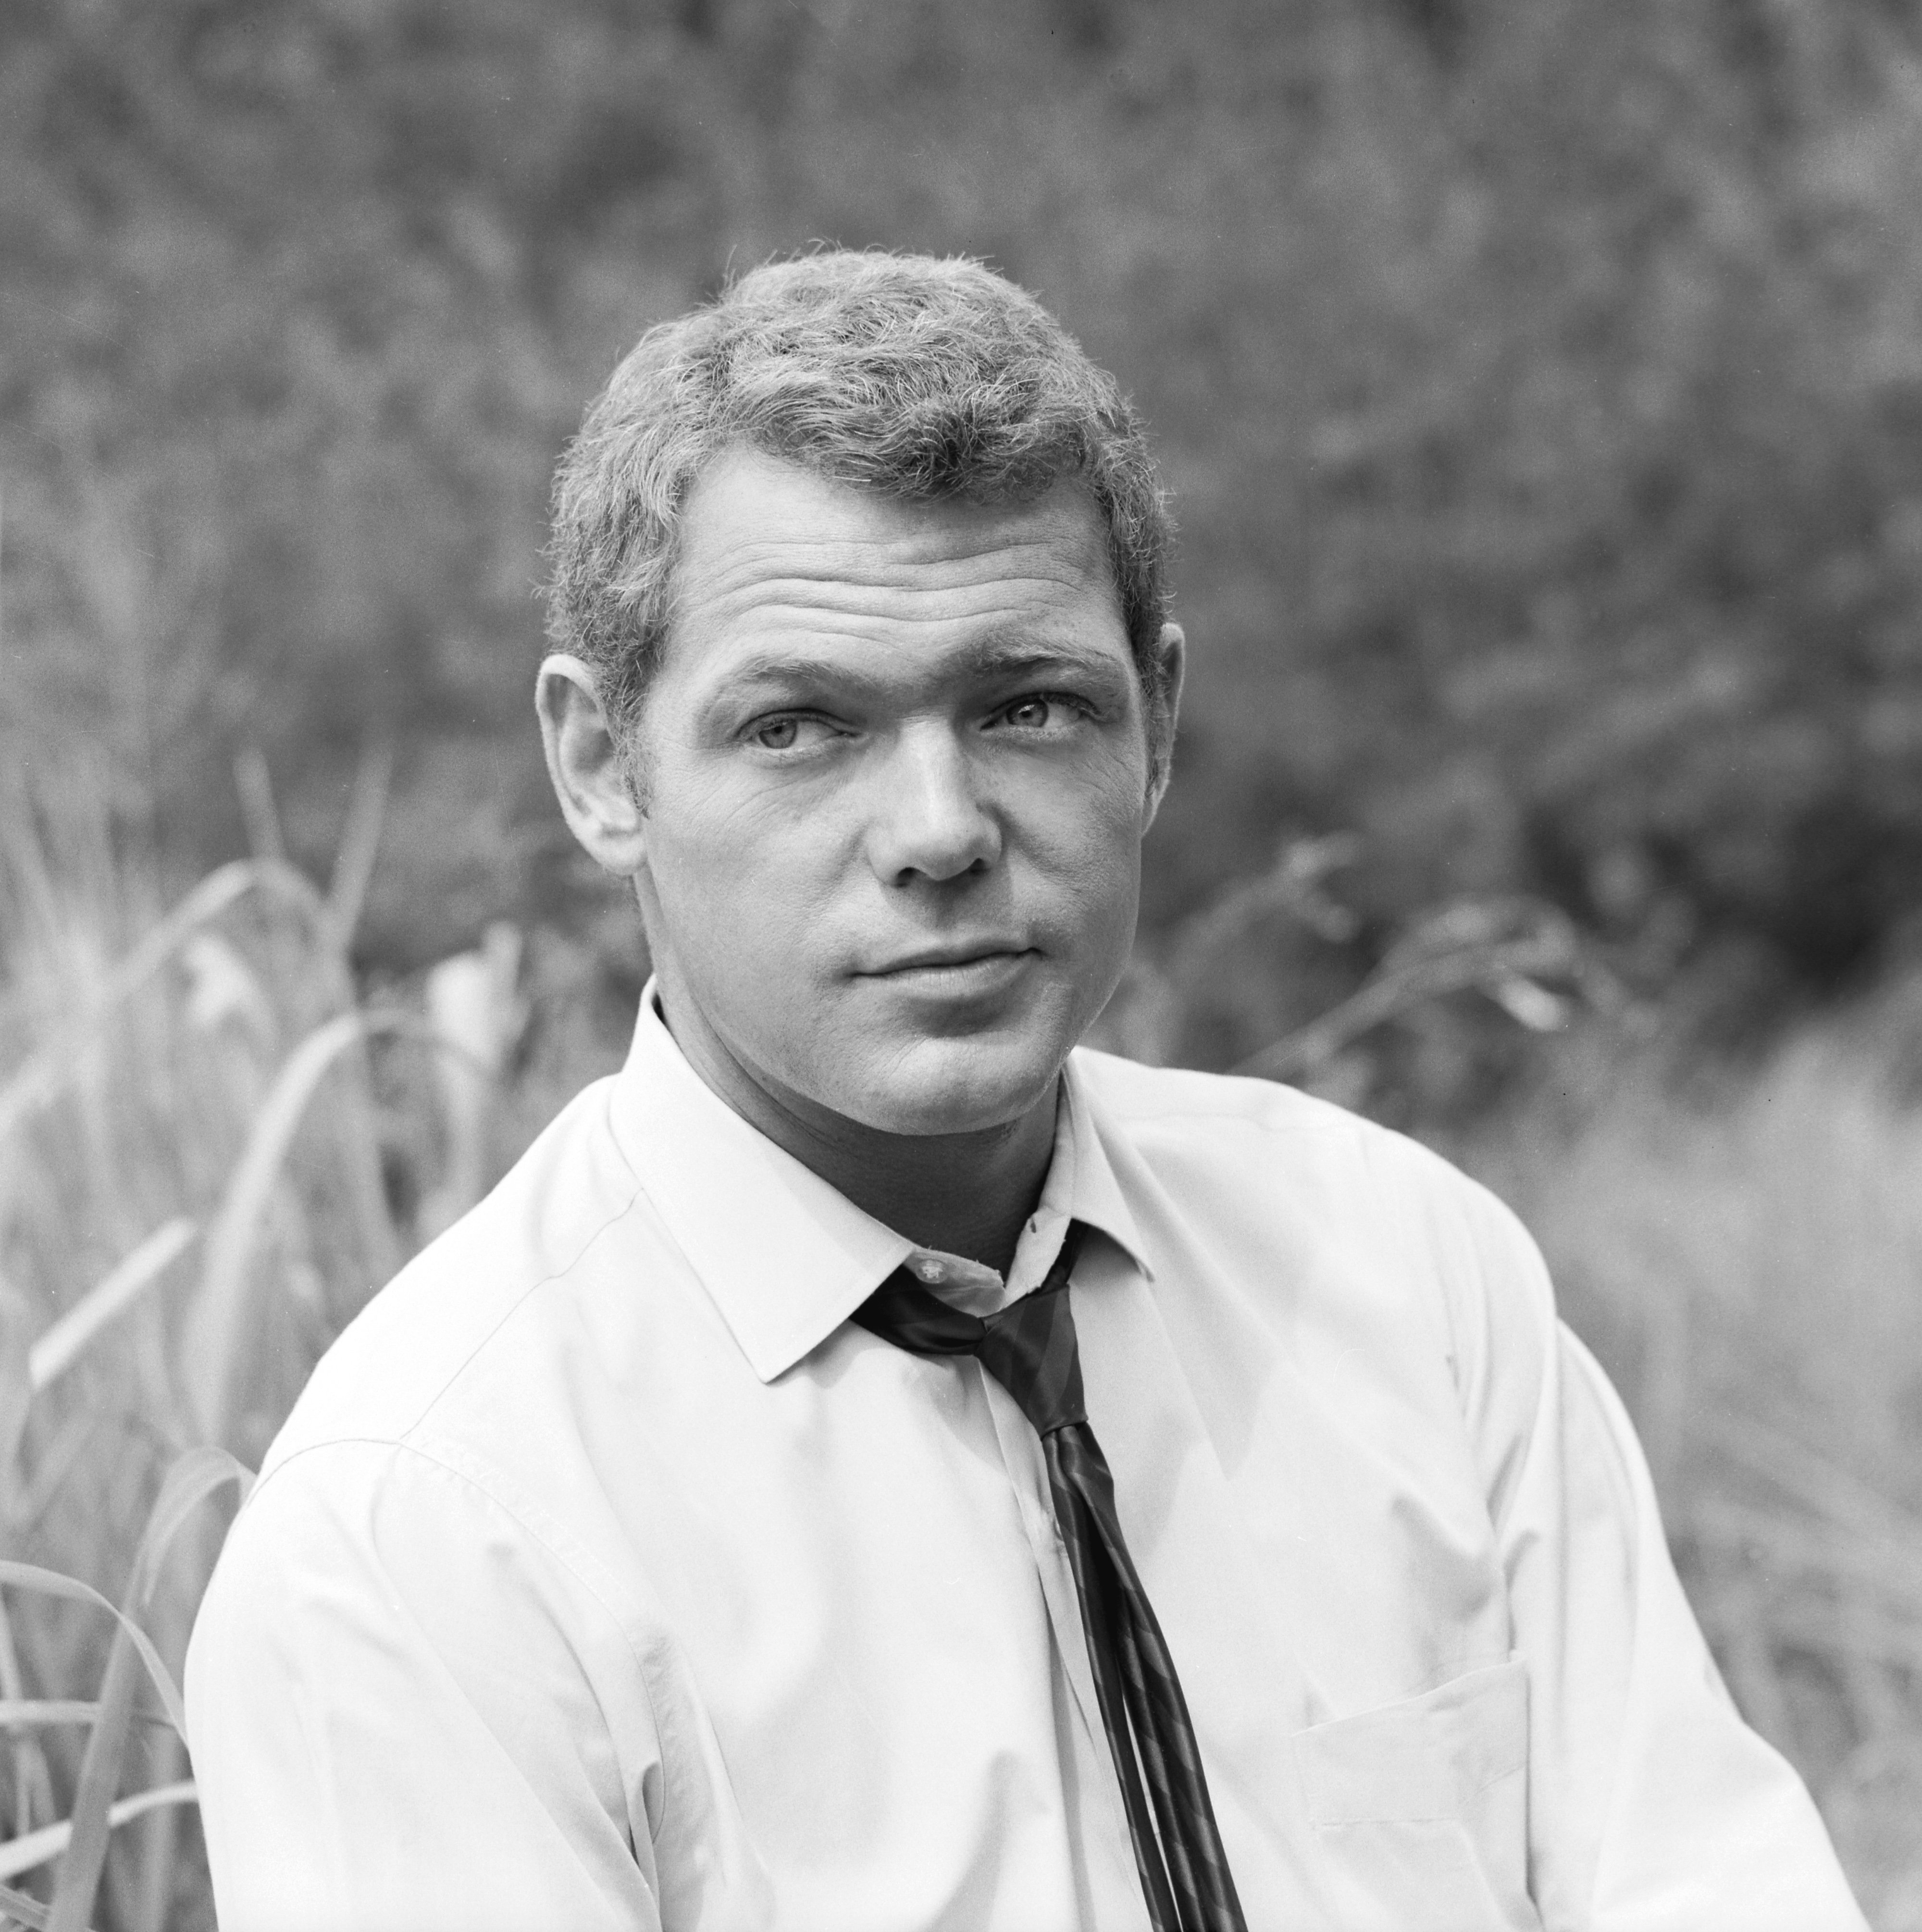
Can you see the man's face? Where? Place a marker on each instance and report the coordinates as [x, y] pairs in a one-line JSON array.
[[897, 775]]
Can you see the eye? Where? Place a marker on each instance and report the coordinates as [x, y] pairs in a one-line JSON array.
[[788, 733], [1043, 711]]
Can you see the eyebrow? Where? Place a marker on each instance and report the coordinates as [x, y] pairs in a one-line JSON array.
[[991, 659]]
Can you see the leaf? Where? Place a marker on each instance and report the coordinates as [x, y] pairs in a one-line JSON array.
[[44, 1072], [92, 1823], [32, 1781], [50, 1582], [60, 1346], [192, 1479], [19, 1854], [20, 1713], [217, 1324], [15, 1389], [1534, 1006], [18, 1905], [360, 840]]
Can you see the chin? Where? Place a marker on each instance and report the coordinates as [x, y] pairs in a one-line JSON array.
[[954, 1086]]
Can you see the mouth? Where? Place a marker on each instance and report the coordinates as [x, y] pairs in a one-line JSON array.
[[956, 967]]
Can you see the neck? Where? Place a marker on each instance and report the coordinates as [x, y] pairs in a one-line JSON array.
[[968, 1194]]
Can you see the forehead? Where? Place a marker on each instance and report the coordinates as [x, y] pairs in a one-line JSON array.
[[769, 549]]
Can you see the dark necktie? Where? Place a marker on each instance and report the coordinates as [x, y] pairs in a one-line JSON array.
[[1029, 1348]]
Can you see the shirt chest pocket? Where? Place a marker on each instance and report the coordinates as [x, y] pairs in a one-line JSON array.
[[1422, 1807]]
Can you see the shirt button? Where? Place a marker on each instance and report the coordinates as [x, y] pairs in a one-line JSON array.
[[930, 1271]]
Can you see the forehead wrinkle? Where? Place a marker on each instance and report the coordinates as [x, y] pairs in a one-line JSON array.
[[772, 571], [768, 550], [735, 496], [996, 616], [918, 544]]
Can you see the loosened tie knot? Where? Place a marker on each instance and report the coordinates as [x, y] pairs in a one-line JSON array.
[[1027, 1347]]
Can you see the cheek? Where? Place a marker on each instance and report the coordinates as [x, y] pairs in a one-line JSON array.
[[1088, 832], [735, 879]]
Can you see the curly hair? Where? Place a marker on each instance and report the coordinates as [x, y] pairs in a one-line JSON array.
[[910, 376]]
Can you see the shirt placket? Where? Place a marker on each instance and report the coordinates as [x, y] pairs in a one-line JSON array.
[[1028, 1476], [980, 1291]]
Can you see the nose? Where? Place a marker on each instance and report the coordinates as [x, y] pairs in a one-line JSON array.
[[930, 821]]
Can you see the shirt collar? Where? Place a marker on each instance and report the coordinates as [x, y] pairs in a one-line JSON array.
[[786, 1258]]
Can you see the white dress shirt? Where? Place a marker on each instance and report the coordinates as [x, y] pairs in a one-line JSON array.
[[606, 1575]]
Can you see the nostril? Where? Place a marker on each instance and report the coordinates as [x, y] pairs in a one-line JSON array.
[[931, 824]]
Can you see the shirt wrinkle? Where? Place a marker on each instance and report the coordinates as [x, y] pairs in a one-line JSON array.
[[524, 1520]]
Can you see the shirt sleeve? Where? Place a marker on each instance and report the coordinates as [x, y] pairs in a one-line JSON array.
[[394, 1718], [1652, 1808]]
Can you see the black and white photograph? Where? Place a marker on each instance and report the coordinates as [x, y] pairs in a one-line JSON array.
[[960, 965]]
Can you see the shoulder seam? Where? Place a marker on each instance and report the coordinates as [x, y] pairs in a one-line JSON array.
[[430, 1402], [533, 1288]]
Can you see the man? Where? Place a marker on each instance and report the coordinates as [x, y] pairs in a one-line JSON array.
[[871, 1465]]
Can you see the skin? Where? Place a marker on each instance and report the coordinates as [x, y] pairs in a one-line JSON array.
[[899, 766]]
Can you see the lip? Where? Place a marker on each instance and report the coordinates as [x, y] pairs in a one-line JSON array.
[[951, 959], [968, 974]]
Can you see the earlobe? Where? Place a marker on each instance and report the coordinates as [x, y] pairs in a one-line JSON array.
[[1171, 662], [586, 766]]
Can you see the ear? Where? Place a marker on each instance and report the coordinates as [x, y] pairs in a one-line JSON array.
[[590, 776], [1171, 661]]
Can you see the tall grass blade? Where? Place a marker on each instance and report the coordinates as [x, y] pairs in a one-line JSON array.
[[61, 1345], [258, 812], [91, 1825], [41, 1075], [360, 841], [200, 1473], [1895, 1573], [56, 1463], [1814, 1480], [36, 1848], [31, 1779], [216, 1328], [476, 1009], [23, 1712], [19, 1906], [15, 1388], [51, 1583], [1398, 988], [196, 1475]]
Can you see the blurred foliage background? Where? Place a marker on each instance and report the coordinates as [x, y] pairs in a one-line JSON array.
[[1541, 387]]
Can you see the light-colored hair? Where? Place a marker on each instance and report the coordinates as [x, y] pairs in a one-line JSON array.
[[911, 377]]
